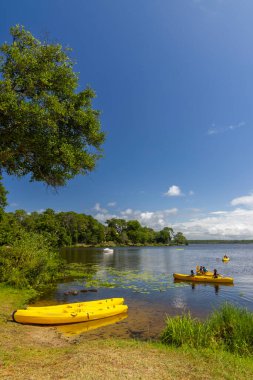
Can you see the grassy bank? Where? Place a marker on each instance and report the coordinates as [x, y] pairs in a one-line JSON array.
[[11, 299], [228, 328], [34, 352], [114, 359]]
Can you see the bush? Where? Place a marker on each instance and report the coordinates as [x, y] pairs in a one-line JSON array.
[[229, 328], [29, 263]]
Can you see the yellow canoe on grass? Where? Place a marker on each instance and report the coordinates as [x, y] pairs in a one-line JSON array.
[[201, 278], [76, 305], [57, 317]]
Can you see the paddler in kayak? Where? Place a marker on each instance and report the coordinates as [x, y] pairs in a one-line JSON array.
[[215, 274]]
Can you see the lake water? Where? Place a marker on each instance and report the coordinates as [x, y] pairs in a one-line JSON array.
[[143, 276]]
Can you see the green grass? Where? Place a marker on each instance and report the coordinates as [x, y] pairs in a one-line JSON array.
[[114, 358], [11, 299], [229, 329]]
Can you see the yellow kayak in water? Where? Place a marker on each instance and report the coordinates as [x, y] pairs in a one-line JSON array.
[[56, 317], [76, 305], [202, 278], [208, 273], [225, 259]]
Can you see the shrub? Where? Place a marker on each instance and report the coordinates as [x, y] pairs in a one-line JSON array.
[[29, 262]]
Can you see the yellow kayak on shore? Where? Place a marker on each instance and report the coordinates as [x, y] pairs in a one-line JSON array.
[[202, 278], [56, 317], [75, 305]]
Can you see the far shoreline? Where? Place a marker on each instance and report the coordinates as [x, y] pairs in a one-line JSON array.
[[220, 241], [113, 245]]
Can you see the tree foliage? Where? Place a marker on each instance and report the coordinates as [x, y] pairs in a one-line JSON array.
[[47, 128], [3, 199], [180, 239], [70, 228], [29, 262]]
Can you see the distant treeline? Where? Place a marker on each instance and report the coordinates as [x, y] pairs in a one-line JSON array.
[[70, 228], [220, 241]]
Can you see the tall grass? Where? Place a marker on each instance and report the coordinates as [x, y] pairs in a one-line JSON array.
[[232, 327], [185, 330], [229, 328]]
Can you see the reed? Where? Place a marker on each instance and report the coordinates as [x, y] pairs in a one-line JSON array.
[[232, 328], [229, 328], [185, 330]]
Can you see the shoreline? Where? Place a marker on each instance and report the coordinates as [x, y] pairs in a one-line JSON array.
[[40, 352]]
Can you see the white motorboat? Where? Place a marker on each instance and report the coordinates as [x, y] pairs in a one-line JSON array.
[[108, 250]]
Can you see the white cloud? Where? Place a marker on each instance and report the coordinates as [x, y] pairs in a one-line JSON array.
[[214, 130], [246, 200], [194, 209], [103, 217], [219, 224], [218, 212], [153, 219], [13, 204], [174, 191], [172, 211], [146, 215], [97, 207], [111, 204], [236, 224], [128, 211]]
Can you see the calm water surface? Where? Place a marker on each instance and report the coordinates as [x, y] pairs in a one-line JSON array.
[[151, 301]]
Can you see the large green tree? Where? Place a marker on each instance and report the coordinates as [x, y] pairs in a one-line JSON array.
[[179, 238], [3, 199], [165, 235], [47, 128]]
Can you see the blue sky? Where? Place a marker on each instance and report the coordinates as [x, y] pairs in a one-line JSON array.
[[174, 83]]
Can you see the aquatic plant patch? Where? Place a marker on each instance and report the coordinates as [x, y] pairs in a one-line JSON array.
[[93, 276]]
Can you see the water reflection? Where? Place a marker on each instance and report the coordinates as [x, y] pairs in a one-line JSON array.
[[121, 258], [215, 286], [194, 285], [78, 255], [74, 329]]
